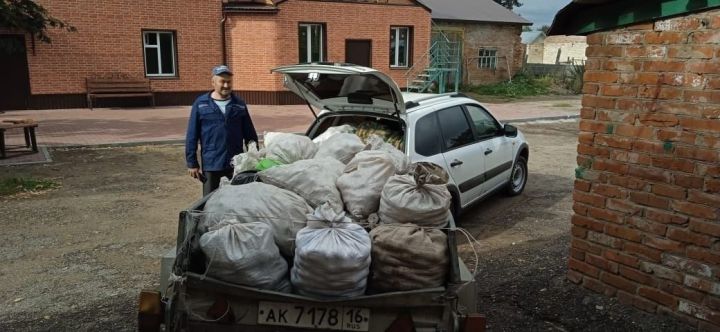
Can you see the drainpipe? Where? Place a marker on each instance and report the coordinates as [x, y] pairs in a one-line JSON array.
[[222, 33]]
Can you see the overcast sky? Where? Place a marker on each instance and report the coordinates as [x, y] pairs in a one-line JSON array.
[[540, 12]]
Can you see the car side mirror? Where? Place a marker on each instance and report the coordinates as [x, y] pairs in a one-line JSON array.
[[510, 130]]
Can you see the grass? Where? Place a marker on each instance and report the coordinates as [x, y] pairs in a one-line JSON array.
[[14, 186], [521, 86]]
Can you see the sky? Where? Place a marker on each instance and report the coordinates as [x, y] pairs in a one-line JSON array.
[[540, 12]]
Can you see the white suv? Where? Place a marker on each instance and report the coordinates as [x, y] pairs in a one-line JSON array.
[[481, 155]]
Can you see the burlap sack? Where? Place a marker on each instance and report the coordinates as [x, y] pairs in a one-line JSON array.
[[420, 197], [341, 146], [288, 148], [407, 257], [400, 159], [363, 180]]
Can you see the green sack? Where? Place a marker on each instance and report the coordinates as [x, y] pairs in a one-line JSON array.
[[266, 163]]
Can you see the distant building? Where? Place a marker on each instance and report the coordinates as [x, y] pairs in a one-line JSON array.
[[554, 49]]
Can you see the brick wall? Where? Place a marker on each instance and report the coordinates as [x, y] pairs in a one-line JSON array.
[[274, 38], [505, 38], [109, 39], [647, 194]]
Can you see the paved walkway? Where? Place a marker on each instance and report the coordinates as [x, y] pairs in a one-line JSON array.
[[81, 127]]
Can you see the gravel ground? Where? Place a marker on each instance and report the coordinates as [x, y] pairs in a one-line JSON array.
[[76, 257]]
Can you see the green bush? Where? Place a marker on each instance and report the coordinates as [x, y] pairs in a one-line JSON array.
[[520, 86]]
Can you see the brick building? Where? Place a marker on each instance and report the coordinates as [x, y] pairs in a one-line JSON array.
[[646, 227], [176, 43], [489, 35], [556, 49]]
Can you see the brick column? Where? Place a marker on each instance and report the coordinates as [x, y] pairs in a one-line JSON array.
[[647, 194]]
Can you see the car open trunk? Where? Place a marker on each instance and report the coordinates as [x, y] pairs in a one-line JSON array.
[[192, 295]]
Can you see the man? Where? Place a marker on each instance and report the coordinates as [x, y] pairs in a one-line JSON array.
[[220, 122]]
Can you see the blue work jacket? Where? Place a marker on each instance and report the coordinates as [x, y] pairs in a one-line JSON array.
[[220, 136]]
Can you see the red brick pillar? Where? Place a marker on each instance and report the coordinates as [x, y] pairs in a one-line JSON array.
[[647, 196]]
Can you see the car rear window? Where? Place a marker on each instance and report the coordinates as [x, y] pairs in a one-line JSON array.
[[427, 136]]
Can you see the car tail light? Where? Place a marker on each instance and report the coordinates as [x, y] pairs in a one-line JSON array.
[[474, 323], [150, 311]]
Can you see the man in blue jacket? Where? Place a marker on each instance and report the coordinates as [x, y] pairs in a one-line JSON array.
[[220, 122]]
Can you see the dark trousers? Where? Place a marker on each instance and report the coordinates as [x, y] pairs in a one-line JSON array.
[[212, 179]]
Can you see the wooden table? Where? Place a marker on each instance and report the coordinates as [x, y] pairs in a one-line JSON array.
[[28, 127]]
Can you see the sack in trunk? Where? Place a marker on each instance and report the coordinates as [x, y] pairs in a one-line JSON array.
[[288, 148], [284, 210], [245, 254], [407, 257], [420, 197], [400, 160], [332, 258], [363, 180], [332, 131], [313, 179], [341, 146]]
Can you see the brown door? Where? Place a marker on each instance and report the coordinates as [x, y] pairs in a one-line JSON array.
[[15, 82], [358, 52]]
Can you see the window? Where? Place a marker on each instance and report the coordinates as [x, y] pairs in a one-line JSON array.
[[311, 42], [455, 127], [487, 58], [400, 41], [159, 49], [485, 125], [427, 138]]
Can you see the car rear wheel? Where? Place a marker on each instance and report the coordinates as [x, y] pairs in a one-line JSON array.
[[518, 177]]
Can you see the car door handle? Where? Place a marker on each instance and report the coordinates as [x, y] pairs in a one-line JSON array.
[[488, 151], [456, 163]]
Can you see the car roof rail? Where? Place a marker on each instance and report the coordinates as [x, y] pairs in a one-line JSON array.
[[416, 102], [458, 95]]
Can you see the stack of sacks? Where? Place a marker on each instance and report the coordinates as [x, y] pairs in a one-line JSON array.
[[283, 210], [400, 160], [363, 180], [245, 254], [407, 257], [341, 146], [420, 197], [288, 148], [332, 258], [313, 179], [332, 131]]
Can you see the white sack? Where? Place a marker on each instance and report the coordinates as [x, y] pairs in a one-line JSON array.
[[420, 197], [284, 210], [332, 131], [314, 180], [245, 254], [248, 160], [400, 160], [363, 180], [332, 258], [341, 146], [288, 148]]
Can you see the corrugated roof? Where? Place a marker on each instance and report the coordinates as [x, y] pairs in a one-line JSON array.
[[472, 10]]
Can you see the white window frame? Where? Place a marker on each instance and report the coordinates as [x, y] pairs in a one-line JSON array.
[[308, 27], [159, 53], [396, 32], [485, 60]]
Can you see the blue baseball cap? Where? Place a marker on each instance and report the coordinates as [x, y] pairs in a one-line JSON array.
[[218, 70]]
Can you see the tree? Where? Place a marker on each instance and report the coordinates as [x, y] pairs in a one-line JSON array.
[[509, 4], [29, 17]]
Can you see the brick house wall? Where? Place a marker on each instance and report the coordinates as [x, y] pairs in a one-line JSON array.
[[109, 39], [646, 221], [505, 38], [274, 40]]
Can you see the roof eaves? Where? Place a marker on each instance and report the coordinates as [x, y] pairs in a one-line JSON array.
[[482, 21]]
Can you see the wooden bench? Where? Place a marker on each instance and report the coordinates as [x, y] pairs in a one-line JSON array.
[[28, 126], [117, 87]]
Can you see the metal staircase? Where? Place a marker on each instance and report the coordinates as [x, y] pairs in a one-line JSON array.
[[437, 68]]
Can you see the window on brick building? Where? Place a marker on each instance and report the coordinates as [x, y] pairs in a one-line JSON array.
[[311, 42], [160, 57], [487, 58], [400, 43]]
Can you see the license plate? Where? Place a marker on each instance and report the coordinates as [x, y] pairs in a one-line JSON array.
[[314, 316]]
